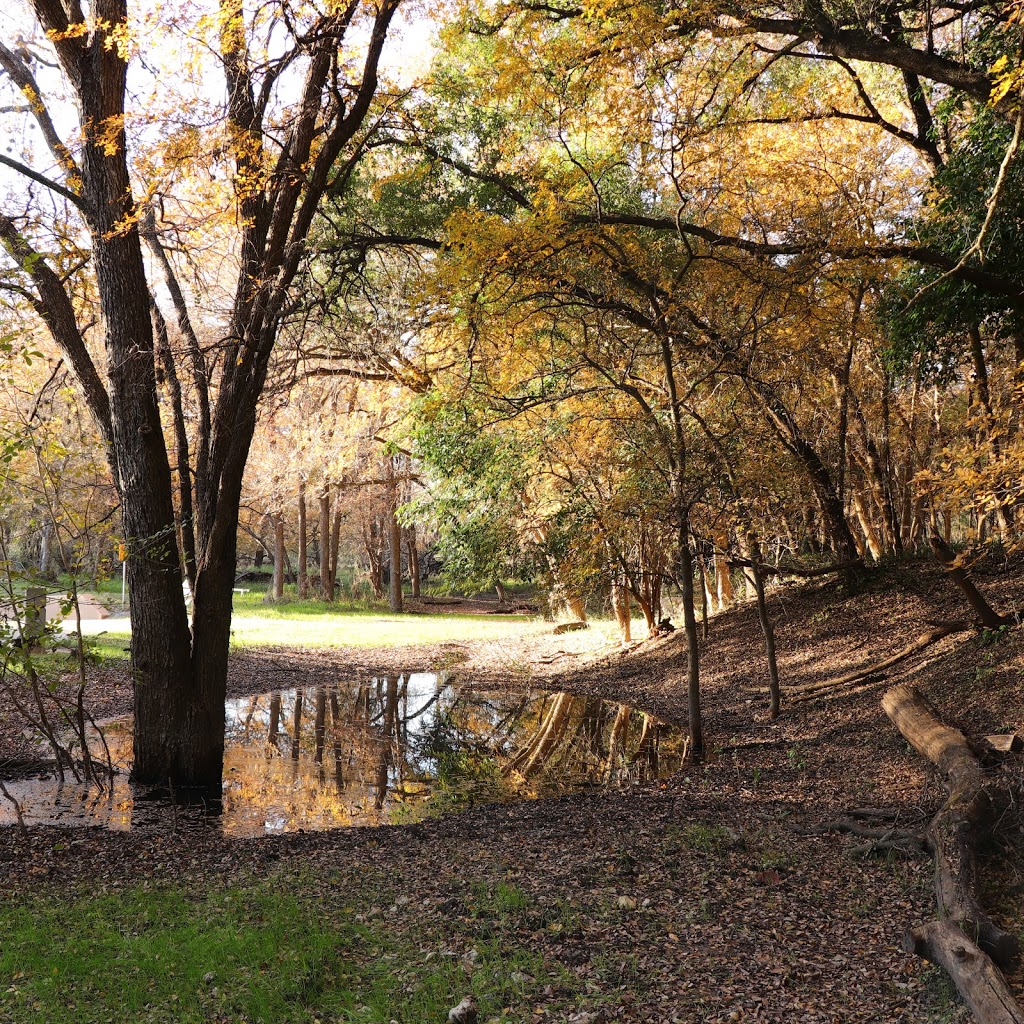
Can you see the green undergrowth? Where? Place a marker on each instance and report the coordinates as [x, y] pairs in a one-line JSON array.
[[285, 950]]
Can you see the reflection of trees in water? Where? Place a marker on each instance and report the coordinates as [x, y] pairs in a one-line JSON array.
[[589, 738], [395, 744]]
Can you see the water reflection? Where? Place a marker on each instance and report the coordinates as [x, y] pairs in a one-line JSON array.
[[389, 750]]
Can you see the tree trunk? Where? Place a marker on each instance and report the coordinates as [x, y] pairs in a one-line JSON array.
[[723, 579], [303, 581], [395, 567], [870, 537], [620, 606], [44, 548], [413, 558], [695, 751], [326, 578], [277, 591], [767, 629], [987, 615]]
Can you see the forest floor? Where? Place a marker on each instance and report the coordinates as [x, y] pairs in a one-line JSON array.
[[714, 895]]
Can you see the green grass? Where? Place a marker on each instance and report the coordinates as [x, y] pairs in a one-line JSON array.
[[283, 624], [287, 950], [313, 624]]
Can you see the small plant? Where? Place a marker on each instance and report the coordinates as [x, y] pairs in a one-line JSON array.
[[993, 636], [707, 838], [796, 758]]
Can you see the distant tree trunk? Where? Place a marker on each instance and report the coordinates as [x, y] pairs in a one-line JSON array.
[[748, 573], [695, 752], [335, 544], [374, 555], [874, 547], [723, 575], [303, 580], [394, 552], [413, 558], [620, 606], [766, 627], [277, 592], [326, 579], [788, 431], [393, 541], [44, 548]]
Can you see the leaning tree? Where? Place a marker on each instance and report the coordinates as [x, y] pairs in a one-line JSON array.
[[295, 86]]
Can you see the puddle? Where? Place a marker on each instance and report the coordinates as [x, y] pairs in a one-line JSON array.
[[393, 750]]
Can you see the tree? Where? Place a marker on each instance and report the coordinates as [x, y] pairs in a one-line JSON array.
[[295, 105]]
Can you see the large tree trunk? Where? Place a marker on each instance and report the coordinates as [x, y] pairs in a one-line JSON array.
[[179, 674], [965, 940]]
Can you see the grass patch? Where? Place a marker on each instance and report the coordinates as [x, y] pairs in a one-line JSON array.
[[706, 838], [108, 646], [283, 624], [274, 952], [310, 624]]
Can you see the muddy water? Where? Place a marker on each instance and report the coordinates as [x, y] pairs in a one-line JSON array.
[[390, 750]]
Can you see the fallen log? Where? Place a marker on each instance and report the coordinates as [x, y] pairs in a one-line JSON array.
[[969, 811], [965, 941], [977, 979]]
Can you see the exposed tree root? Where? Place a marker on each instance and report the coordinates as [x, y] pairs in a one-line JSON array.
[[882, 840], [925, 640], [965, 941]]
